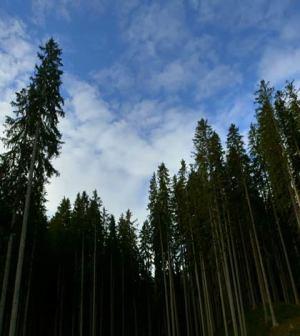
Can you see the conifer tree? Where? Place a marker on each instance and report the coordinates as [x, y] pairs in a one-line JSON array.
[[112, 245], [183, 237], [145, 248], [287, 111], [281, 186], [96, 226], [32, 139]]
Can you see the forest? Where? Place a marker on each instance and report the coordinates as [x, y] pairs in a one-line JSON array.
[[221, 240]]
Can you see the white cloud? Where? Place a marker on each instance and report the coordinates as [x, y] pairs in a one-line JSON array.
[[16, 63], [61, 8], [174, 76], [289, 30], [86, 97], [232, 14], [279, 64], [162, 56], [156, 27], [16, 52], [118, 78], [162, 74], [113, 155], [217, 79]]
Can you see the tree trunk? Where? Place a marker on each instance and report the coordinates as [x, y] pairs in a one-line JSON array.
[[294, 288], [222, 247], [6, 274], [94, 331], [221, 293], [135, 318], [175, 305], [165, 284], [61, 314], [187, 319], [81, 289], [282, 279], [101, 305], [149, 315], [29, 286], [249, 278], [197, 281], [123, 299], [172, 298], [239, 293], [74, 306], [196, 319], [111, 297], [259, 277], [16, 296], [58, 294], [273, 318], [210, 330]]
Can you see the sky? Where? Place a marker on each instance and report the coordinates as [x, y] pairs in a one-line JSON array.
[[138, 75]]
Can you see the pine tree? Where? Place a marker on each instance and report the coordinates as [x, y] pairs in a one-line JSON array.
[[281, 186], [112, 246], [96, 224], [32, 139], [182, 236], [61, 247], [145, 248], [146, 261], [129, 269], [238, 173], [80, 227], [287, 111]]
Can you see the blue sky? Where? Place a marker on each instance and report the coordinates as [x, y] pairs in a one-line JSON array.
[[138, 76]]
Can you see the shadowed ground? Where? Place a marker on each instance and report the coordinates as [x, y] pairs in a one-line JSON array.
[[288, 317]]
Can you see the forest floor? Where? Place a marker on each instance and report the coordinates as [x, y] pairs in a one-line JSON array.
[[288, 317]]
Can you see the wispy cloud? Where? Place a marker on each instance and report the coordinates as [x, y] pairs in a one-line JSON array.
[[111, 153], [215, 81], [164, 57], [41, 9], [232, 14], [16, 63], [16, 52], [280, 58], [63, 9], [279, 64]]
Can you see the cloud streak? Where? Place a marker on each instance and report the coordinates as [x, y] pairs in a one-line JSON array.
[[111, 154]]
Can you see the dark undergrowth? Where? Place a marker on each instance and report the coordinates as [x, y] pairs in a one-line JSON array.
[[288, 318]]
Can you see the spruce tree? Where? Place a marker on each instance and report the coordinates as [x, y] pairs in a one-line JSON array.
[[145, 248], [32, 140], [287, 111]]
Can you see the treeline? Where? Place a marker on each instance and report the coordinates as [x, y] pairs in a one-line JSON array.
[[221, 237]]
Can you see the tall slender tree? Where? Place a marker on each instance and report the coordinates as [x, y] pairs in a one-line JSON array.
[[33, 139]]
